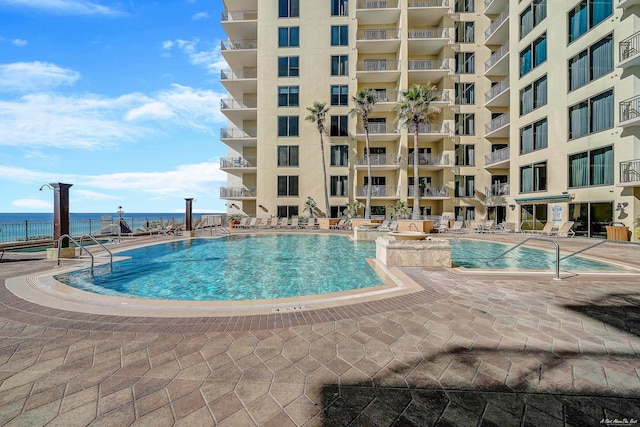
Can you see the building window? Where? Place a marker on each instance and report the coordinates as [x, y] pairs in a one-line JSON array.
[[533, 177], [534, 136], [339, 185], [591, 168], [532, 16], [591, 115], [288, 8], [465, 63], [339, 126], [465, 124], [586, 15], [465, 93], [288, 36], [288, 96], [340, 95], [464, 186], [591, 63], [464, 6], [339, 7], [465, 155], [339, 155], [533, 55], [339, 35], [339, 65], [287, 155], [287, 211], [464, 32], [288, 185], [287, 125], [464, 213], [288, 66], [533, 96]]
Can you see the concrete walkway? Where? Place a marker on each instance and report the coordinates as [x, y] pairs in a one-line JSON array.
[[466, 350]]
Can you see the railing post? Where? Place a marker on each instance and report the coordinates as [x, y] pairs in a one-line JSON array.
[[26, 230]]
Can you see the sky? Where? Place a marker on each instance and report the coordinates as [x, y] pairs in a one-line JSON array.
[[119, 98]]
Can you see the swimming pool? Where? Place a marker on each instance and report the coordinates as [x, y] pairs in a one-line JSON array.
[[279, 266]]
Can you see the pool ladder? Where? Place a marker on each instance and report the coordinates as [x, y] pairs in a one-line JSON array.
[[82, 248]]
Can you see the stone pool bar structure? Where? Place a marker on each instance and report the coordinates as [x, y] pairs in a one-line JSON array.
[[413, 253]]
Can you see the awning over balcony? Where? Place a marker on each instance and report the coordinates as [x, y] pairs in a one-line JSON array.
[[545, 199]]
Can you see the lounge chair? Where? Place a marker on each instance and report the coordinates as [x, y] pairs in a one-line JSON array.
[[547, 230], [564, 230], [294, 223], [385, 224], [458, 227], [312, 224], [243, 222], [338, 226]]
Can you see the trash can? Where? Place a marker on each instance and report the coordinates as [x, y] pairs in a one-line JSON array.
[[617, 232]]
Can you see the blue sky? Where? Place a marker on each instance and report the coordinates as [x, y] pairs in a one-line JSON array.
[[119, 98]]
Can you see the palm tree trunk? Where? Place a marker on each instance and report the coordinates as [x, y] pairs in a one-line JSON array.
[[416, 181], [324, 181], [367, 210]]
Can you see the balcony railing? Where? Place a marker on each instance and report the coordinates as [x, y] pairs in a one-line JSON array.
[[428, 64], [378, 65], [496, 56], [429, 191], [387, 95], [428, 3], [377, 191], [496, 23], [630, 109], [497, 189], [238, 133], [496, 90], [378, 128], [630, 46], [435, 127], [496, 123], [235, 162], [237, 104], [429, 33], [425, 159], [379, 4], [378, 34], [497, 156], [239, 74], [630, 171], [238, 44], [378, 160], [239, 15], [227, 192]]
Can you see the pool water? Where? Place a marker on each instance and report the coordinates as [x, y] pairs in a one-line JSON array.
[[279, 266]]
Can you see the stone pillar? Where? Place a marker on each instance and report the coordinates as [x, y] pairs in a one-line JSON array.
[[60, 212], [189, 214]]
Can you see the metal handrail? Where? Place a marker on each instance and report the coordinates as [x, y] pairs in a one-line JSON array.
[[79, 245], [542, 240], [99, 244], [602, 242]]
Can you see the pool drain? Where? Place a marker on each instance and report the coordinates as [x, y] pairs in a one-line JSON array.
[[292, 308]]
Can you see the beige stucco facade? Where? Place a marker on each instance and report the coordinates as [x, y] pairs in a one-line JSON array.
[[472, 159]]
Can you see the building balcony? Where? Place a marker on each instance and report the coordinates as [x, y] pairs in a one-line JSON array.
[[378, 71], [379, 132], [427, 12], [378, 40], [498, 127], [240, 53], [239, 24], [379, 191], [428, 41], [378, 162], [624, 4], [236, 165], [430, 132], [241, 109], [433, 193], [428, 70], [430, 161], [630, 173], [498, 62], [630, 112], [629, 50], [493, 7], [237, 193], [498, 31], [498, 158], [497, 190], [239, 137], [240, 81], [377, 12], [498, 95]]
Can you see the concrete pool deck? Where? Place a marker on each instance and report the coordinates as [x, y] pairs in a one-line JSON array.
[[466, 349]]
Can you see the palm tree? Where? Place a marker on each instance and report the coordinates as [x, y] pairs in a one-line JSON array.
[[414, 109], [364, 101], [317, 114]]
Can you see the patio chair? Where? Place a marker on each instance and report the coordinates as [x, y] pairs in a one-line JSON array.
[[294, 223], [338, 226], [385, 224], [564, 230], [458, 227], [312, 224], [243, 222], [547, 230]]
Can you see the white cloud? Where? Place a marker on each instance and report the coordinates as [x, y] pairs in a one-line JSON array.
[[19, 42], [92, 195], [29, 76], [32, 204], [208, 56], [65, 7], [200, 16], [152, 110]]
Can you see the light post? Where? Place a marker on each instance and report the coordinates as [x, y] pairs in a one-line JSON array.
[[120, 212]]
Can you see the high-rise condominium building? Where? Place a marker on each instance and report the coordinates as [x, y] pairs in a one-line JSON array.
[[538, 109]]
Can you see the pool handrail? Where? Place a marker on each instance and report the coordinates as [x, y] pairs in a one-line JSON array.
[[82, 248], [90, 236], [542, 240], [601, 242]]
